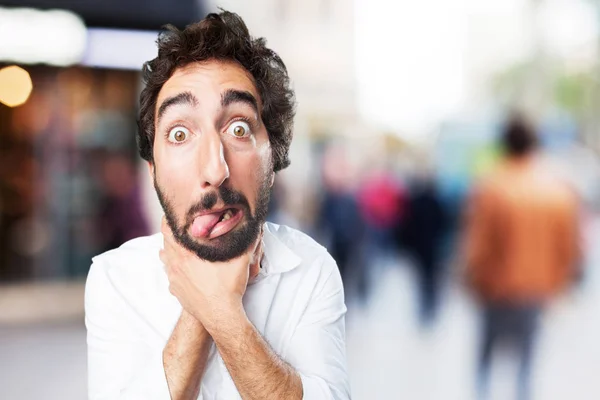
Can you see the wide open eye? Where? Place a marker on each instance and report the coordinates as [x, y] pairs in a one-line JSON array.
[[179, 134], [239, 129]]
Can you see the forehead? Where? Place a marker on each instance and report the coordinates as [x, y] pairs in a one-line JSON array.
[[208, 79]]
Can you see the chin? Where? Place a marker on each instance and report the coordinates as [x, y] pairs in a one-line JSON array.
[[225, 247]]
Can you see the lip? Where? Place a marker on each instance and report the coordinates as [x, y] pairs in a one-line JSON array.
[[216, 210], [226, 226]]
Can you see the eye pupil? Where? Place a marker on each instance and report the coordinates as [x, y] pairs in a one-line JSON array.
[[239, 131], [180, 136]]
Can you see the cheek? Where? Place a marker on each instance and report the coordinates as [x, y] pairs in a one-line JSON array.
[[248, 171], [173, 178], [266, 155]]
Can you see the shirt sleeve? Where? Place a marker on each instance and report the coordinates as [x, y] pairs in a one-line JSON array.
[[318, 346], [120, 365]]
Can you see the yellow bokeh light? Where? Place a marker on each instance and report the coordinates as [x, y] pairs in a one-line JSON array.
[[15, 86]]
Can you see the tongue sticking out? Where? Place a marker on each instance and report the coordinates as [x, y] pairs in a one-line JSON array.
[[204, 224]]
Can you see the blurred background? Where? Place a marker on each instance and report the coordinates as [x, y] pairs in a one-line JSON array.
[[400, 108]]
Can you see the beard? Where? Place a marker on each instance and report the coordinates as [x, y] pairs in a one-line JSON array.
[[231, 244]]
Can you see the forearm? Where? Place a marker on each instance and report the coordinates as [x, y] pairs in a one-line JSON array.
[[257, 371], [185, 356]]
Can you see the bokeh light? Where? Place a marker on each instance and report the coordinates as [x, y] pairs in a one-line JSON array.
[[15, 86]]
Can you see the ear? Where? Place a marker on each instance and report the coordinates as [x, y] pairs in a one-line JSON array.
[[272, 179]]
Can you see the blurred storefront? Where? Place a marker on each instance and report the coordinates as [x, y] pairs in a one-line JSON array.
[[69, 181], [67, 171]]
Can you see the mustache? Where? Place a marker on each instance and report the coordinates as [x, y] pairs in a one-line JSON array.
[[228, 196]]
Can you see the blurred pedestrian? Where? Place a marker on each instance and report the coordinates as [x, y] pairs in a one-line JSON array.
[[381, 200], [339, 221], [421, 234], [521, 249]]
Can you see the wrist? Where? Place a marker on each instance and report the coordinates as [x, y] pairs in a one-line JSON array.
[[230, 322], [190, 323], [188, 335]]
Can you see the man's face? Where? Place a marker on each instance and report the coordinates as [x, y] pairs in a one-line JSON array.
[[212, 166]]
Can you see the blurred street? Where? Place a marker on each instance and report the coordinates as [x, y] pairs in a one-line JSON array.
[[45, 361], [388, 355]]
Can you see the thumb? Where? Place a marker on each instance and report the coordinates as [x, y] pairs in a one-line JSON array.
[[256, 257]]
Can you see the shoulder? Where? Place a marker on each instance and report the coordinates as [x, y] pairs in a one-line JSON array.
[[132, 266], [141, 246], [491, 185], [132, 255], [294, 238], [311, 263], [301, 244], [310, 278]]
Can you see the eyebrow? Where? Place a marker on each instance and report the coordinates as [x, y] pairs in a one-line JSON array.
[[183, 98], [239, 96]]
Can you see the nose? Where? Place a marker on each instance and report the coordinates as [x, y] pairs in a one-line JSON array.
[[213, 166]]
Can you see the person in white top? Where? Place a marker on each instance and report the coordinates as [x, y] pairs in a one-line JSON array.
[[220, 304]]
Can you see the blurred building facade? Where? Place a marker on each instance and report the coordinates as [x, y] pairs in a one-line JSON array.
[[316, 40], [69, 183]]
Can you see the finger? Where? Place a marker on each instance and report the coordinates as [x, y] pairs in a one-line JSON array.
[[258, 243], [259, 249], [164, 258], [162, 254], [173, 290], [169, 257], [170, 266], [164, 228], [256, 257], [168, 237]]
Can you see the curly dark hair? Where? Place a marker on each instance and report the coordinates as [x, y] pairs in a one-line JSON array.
[[223, 37]]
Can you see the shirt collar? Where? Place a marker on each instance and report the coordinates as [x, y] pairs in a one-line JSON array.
[[278, 257]]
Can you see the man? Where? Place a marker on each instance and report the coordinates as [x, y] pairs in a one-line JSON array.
[[521, 248], [422, 233], [338, 218], [234, 307]]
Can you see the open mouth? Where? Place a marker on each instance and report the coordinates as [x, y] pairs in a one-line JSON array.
[[227, 215], [212, 225]]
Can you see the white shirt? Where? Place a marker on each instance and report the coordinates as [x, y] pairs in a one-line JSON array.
[[296, 303]]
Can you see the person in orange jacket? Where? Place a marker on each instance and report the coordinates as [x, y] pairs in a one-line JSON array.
[[521, 248]]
